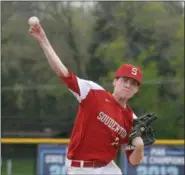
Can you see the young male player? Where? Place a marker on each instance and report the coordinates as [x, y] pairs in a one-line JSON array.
[[104, 121]]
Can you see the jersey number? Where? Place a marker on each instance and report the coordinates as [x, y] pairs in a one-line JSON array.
[[116, 142]]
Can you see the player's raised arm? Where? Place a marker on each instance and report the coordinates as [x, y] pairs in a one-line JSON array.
[[38, 33], [79, 87]]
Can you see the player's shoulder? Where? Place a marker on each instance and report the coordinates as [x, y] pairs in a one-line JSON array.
[[134, 116], [100, 92], [94, 85], [94, 90]]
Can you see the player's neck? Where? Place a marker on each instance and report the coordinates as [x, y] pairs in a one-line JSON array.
[[121, 101]]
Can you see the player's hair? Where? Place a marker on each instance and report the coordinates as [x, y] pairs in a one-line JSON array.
[[128, 77]]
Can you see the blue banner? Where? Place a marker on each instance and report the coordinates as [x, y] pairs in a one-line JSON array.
[[51, 159], [158, 160]]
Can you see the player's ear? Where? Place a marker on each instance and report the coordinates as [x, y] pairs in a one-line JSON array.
[[114, 82], [137, 90]]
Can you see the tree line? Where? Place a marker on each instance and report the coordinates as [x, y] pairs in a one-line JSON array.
[[92, 40]]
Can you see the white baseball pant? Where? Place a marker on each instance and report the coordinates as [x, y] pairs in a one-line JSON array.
[[110, 168]]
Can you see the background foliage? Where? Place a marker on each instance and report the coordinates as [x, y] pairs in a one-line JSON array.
[[93, 40]]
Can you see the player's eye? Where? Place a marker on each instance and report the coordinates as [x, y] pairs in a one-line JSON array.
[[134, 83], [125, 79], [130, 80]]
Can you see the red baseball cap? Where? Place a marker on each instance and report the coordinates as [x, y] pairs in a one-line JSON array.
[[129, 70]]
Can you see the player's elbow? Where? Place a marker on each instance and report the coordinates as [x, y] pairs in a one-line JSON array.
[[58, 67], [61, 73], [135, 162]]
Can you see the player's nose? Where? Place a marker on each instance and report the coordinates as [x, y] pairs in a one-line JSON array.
[[127, 84]]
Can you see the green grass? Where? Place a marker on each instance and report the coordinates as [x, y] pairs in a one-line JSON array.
[[20, 167]]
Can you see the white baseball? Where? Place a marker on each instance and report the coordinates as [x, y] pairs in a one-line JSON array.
[[33, 21]]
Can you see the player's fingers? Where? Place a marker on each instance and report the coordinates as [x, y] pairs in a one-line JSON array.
[[38, 26], [31, 33], [34, 34], [37, 30], [30, 30], [34, 30]]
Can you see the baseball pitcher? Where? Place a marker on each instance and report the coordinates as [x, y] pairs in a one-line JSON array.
[[104, 120]]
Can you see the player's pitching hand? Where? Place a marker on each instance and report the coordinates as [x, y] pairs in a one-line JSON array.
[[37, 32]]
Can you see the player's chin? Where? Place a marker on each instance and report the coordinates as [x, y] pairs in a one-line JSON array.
[[126, 96]]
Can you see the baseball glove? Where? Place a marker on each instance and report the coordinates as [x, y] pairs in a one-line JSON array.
[[142, 128]]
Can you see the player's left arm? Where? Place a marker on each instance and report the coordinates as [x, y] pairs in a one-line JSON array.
[[135, 151], [141, 134], [135, 148], [137, 154]]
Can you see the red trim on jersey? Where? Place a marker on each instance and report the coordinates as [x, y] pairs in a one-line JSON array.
[[128, 153], [71, 82]]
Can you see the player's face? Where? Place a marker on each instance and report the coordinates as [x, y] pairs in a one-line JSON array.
[[125, 87]]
